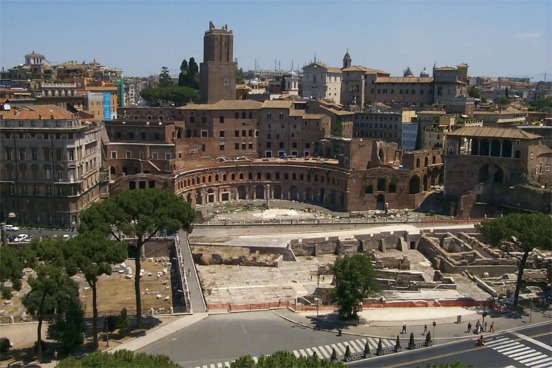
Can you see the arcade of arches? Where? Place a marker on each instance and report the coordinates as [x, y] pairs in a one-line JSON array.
[[328, 186]]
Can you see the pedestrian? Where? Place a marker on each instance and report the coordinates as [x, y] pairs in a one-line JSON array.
[[403, 328], [478, 324], [469, 326], [485, 327], [425, 330], [491, 327]]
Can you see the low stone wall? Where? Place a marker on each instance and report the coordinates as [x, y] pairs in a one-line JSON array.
[[220, 255]]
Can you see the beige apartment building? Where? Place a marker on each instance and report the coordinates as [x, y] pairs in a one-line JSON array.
[[322, 81], [285, 131], [49, 165]]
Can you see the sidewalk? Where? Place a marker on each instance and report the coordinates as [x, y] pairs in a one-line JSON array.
[[387, 323]]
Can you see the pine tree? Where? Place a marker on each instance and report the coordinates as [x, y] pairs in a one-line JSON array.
[[366, 349], [347, 351], [398, 344], [333, 358]]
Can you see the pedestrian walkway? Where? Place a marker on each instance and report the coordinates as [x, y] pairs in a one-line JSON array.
[[324, 351], [520, 352]]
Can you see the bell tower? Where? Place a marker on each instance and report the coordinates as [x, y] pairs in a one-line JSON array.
[[218, 70]]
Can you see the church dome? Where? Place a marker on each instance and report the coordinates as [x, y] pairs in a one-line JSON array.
[[408, 72], [424, 73], [291, 74]]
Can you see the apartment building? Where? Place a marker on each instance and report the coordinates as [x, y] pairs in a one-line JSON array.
[[385, 126], [227, 128], [285, 131], [321, 81], [49, 165]]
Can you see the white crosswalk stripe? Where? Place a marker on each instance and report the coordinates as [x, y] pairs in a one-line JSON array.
[[520, 352], [355, 347], [548, 363], [537, 355]]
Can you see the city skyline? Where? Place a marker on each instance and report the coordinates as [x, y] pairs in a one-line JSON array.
[[495, 38]]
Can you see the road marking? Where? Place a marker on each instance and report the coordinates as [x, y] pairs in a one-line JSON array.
[[355, 345], [302, 352], [531, 357], [547, 360], [309, 351], [536, 342], [296, 353], [521, 351]]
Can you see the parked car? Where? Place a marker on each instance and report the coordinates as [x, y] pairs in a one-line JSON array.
[[22, 238], [11, 227]]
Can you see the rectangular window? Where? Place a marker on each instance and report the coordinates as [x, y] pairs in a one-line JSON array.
[[269, 116], [24, 190], [36, 190], [128, 154], [204, 134], [34, 154], [281, 116], [9, 154], [221, 147], [236, 133], [236, 146], [221, 120], [221, 134], [141, 155], [168, 156], [113, 154], [22, 155], [154, 155]]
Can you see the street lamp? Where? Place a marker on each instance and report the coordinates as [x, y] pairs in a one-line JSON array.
[[317, 301]]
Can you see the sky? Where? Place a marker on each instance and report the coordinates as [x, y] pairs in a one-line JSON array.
[[496, 38]]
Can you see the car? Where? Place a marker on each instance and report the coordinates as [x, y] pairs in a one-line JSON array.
[[22, 238], [11, 227]]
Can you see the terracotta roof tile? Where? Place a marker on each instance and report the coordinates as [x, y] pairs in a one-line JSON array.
[[490, 132], [30, 112]]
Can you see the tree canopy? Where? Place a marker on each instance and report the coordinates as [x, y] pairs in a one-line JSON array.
[[543, 104], [139, 214], [354, 280], [284, 359], [119, 359], [189, 74], [93, 254], [525, 231]]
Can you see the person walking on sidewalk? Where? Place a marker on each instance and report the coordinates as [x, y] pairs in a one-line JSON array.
[[403, 331], [469, 327], [425, 330], [491, 327]]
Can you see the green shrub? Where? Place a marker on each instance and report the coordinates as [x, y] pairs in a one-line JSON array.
[[5, 345], [6, 293]]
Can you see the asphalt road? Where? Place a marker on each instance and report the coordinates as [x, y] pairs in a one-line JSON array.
[[223, 338], [529, 347]]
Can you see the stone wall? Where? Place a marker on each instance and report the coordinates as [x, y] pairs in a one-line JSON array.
[[210, 255]]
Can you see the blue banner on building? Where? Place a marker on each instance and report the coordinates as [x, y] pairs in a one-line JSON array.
[[107, 105]]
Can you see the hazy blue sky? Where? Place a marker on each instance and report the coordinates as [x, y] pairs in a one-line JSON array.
[[495, 38]]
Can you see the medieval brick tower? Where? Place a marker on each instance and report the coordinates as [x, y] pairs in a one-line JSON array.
[[218, 70]]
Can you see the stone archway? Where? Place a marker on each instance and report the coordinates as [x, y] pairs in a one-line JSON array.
[[293, 193], [380, 202], [259, 191], [277, 194], [414, 185], [242, 192]]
